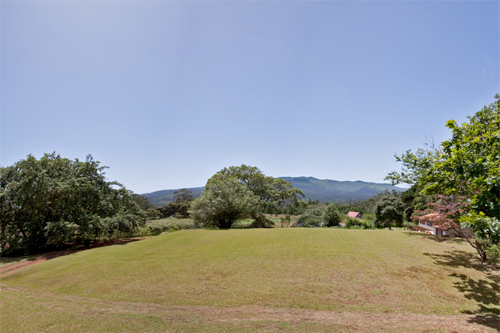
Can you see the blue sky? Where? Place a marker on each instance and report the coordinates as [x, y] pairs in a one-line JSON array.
[[166, 93]]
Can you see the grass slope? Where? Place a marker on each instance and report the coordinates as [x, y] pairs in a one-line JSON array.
[[360, 272]]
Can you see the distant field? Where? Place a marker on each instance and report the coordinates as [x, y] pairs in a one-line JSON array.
[[290, 279]]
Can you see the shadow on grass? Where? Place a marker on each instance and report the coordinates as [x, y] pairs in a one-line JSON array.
[[12, 260], [484, 291], [70, 248], [445, 239]]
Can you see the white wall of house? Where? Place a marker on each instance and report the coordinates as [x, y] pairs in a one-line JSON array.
[[432, 230]]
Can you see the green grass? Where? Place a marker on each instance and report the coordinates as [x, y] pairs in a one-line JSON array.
[[355, 271]]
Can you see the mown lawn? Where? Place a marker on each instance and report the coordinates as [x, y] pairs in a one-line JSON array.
[[372, 272]]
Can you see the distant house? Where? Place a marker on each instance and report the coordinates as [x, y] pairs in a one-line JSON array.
[[355, 215], [426, 224]]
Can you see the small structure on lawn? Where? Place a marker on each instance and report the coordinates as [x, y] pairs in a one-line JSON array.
[[426, 223], [355, 215]]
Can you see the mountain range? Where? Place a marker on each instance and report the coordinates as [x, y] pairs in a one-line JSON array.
[[315, 189]]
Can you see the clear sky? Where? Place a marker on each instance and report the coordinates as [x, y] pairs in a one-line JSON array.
[[166, 93]]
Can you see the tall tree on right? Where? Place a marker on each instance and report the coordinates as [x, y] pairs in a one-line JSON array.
[[466, 166]]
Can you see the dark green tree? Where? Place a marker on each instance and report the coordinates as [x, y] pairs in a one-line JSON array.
[[331, 216], [389, 211], [53, 200], [270, 191], [182, 201], [142, 201], [310, 218], [223, 203]]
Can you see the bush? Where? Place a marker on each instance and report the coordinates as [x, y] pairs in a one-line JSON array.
[[493, 253], [156, 227], [353, 223]]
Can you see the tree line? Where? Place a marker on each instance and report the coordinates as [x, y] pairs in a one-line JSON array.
[[52, 201]]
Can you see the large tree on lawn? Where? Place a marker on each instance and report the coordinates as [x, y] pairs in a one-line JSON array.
[[223, 203], [270, 191]]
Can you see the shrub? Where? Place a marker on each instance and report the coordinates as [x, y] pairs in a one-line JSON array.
[[493, 253], [353, 223], [156, 227]]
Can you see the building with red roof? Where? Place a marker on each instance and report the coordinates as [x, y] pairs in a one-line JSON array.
[[355, 215]]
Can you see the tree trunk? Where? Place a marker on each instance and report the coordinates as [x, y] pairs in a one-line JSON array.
[[117, 225]]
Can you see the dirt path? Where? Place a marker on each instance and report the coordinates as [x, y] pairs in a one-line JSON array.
[[7, 269]]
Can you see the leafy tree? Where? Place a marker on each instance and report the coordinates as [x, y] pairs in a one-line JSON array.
[[450, 212], [142, 201], [311, 218], [331, 216], [389, 211], [469, 165], [416, 165], [53, 200], [222, 203], [168, 209], [179, 207], [465, 167], [270, 191], [182, 200]]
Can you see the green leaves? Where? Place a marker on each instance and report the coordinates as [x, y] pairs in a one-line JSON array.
[[470, 163], [223, 203], [389, 211], [236, 192], [54, 200]]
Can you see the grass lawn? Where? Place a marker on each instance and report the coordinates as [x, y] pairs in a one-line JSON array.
[[258, 280]]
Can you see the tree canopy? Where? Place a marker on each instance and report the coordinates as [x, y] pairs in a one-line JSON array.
[[262, 191], [331, 216], [465, 167], [53, 200], [389, 211], [223, 203]]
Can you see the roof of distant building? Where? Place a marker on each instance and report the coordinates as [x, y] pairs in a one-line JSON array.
[[353, 214]]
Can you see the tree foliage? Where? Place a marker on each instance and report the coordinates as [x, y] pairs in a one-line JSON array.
[[466, 167], [271, 192], [331, 216], [389, 211], [222, 203], [179, 207], [142, 201], [311, 218], [470, 163], [53, 200], [182, 201]]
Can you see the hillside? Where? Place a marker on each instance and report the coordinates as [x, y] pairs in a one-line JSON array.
[[334, 190], [313, 188], [160, 198], [283, 279]]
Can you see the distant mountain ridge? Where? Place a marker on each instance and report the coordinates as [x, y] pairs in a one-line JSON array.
[[337, 191], [314, 189]]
